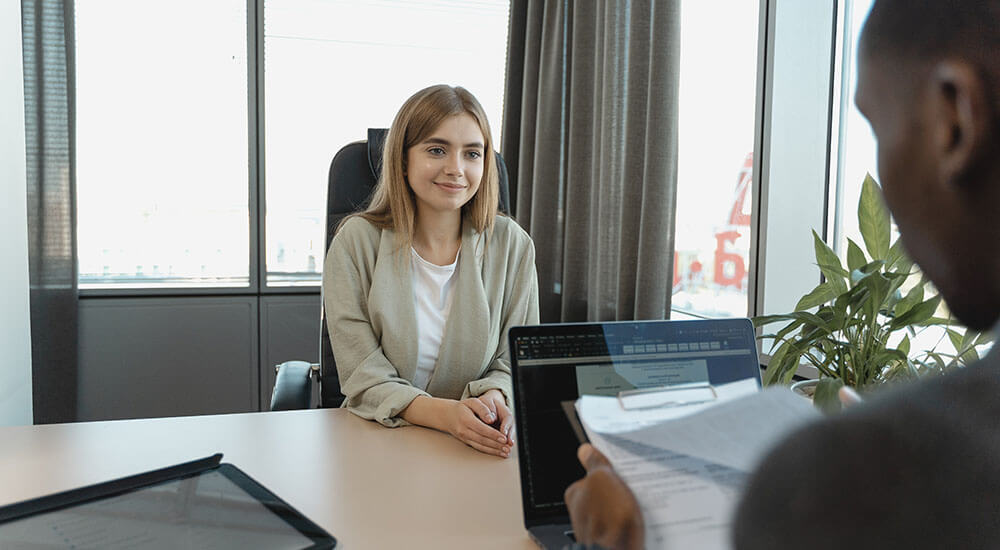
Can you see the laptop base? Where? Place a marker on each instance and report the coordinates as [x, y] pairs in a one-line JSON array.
[[552, 537]]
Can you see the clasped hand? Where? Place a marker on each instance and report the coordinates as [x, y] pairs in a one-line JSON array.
[[483, 423]]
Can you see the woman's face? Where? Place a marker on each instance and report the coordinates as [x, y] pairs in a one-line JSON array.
[[445, 169]]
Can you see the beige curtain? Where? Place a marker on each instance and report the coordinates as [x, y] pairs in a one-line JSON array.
[[590, 136]]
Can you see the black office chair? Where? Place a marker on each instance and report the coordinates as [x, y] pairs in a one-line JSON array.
[[353, 175]]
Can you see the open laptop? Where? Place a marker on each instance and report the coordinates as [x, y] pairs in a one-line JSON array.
[[555, 364]]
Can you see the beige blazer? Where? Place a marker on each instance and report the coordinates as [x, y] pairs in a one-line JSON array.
[[368, 294]]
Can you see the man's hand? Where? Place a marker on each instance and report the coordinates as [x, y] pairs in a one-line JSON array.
[[848, 396], [503, 419], [603, 509], [469, 420]]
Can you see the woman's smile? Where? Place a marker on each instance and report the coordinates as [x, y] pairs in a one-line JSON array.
[[445, 169], [452, 187]]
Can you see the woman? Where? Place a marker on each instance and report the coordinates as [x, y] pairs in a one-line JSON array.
[[421, 288]]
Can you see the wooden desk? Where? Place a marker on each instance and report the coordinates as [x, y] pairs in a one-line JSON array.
[[369, 486]]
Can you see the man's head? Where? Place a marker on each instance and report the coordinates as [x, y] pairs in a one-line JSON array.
[[929, 83]]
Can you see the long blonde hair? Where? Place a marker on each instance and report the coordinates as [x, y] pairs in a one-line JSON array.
[[393, 205]]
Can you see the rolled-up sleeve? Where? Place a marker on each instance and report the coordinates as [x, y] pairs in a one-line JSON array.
[[372, 385]]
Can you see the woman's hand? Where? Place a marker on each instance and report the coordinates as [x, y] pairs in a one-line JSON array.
[[469, 421], [602, 508], [503, 420]]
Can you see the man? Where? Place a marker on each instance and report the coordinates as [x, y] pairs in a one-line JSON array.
[[917, 467]]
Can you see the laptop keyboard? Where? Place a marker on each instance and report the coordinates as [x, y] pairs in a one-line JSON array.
[[544, 347]]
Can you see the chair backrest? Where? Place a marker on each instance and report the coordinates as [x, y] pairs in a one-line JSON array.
[[353, 175]]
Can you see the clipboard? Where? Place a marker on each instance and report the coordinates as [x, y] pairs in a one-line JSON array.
[[679, 395]]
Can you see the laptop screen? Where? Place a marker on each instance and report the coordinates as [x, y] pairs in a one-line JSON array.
[[553, 364]]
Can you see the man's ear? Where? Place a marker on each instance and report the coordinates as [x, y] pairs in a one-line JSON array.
[[963, 116]]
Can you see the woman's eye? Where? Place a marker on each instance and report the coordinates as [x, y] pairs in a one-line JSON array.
[[436, 151], [474, 155]]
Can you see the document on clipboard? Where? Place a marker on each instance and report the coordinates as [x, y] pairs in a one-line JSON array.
[[687, 452]]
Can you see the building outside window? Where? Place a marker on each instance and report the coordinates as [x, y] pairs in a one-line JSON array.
[[718, 86]]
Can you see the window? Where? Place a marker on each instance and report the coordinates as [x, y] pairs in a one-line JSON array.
[[334, 69], [718, 86], [856, 156], [856, 148], [162, 143], [163, 117]]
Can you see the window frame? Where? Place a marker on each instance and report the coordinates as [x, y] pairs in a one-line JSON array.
[[257, 201], [771, 231], [782, 238]]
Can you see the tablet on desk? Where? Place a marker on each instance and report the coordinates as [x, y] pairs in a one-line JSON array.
[[199, 504]]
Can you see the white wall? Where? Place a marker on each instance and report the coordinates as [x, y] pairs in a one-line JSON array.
[[15, 332]]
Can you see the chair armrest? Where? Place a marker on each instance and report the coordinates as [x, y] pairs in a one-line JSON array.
[[293, 386]]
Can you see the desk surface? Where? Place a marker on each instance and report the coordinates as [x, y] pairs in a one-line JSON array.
[[369, 486]]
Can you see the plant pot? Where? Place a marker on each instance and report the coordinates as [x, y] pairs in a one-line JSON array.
[[805, 388]]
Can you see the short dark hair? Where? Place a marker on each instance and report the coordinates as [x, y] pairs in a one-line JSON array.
[[925, 30]]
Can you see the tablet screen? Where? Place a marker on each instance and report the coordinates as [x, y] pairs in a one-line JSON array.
[[208, 510]]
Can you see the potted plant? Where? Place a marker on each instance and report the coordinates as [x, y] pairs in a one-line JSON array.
[[857, 325]]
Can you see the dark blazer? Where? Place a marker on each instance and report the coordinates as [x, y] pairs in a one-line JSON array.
[[917, 467]]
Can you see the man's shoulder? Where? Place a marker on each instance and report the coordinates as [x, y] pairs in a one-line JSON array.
[[964, 394], [877, 472]]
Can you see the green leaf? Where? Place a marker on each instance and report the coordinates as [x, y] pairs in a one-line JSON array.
[[856, 297], [878, 289], [969, 357], [938, 361], [784, 359], [897, 259], [899, 370], [819, 295], [956, 339], [787, 329], [811, 320], [984, 338], [873, 219], [897, 281], [969, 339], [762, 320], [918, 314], [904, 345], [855, 256], [829, 264], [866, 270], [826, 398], [912, 298], [802, 316], [894, 297], [887, 356]]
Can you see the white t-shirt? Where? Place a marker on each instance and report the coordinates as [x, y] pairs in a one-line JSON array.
[[433, 289]]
